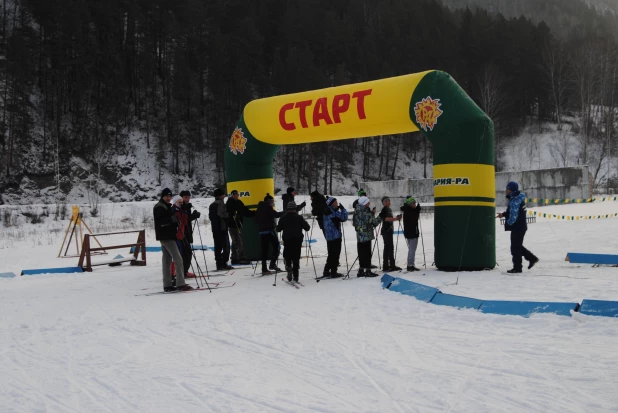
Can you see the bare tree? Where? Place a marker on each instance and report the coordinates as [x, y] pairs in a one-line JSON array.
[[557, 75]]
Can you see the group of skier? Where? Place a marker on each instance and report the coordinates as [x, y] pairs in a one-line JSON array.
[[173, 216]]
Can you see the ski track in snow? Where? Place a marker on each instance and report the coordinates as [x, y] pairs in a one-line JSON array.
[[86, 343]]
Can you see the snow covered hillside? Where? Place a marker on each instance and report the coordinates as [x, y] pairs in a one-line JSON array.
[[93, 343]]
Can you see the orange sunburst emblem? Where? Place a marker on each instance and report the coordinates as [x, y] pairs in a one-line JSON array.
[[427, 112], [238, 142]]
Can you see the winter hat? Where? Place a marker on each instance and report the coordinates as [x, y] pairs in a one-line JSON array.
[[234, 192], [363, 200], [176, 199], [361, 192], [385, 198], [268, 197], [410, 200], [330, 200], [166, 192], [290, 190], [218, 192], [291, 205], [185, 193], [512, 186]]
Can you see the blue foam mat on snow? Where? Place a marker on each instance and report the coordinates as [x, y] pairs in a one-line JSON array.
[[456, 301], [387, 280], [599, 308], [419, 291], [527, 308], [601, 259], [64, 270]]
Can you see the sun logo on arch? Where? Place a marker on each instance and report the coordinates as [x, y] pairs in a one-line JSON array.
[[238, 142], [427, 112]]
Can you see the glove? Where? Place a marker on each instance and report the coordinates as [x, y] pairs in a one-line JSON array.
[[196, 214], [174, 219], [302, 205], [341, 208]]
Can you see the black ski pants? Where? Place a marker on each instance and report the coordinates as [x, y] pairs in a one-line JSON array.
[[291, 253], [518, 250], [364, 254], [389, 250], [222, 247], [267, 240], [334, 252]]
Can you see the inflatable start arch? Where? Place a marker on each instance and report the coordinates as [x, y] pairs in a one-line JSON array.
[[431, 102]]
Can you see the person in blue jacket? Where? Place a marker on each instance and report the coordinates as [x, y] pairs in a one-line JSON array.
[[334, 215], [515, 221]]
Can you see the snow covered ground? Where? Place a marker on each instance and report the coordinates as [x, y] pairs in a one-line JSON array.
[[87, 343]]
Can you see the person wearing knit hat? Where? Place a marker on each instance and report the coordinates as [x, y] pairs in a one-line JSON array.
[[237, 211], [411, 214], [387, 232], [361, 192], [218, 215], [289, 196], [265, 216], [166, 226], [334, 215], [365, 222], [515, 221], [291, 226]]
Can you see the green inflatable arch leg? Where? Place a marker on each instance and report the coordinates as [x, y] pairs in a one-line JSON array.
[[431, 102]]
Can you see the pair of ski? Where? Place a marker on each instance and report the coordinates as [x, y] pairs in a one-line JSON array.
[[213, 286], [295, 284]]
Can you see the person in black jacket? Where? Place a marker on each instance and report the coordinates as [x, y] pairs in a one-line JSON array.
[[265, 216], [292, 225], [411, 214], [166, 226], [237, 210], [387, 232], [187, 252], [218, 219], [318, 204], [289, 196]]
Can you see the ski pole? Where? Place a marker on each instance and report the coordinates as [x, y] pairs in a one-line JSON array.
[[274, 233], [397, 242], [348, 274], [186, 242], [378, 244], [199, 272], [312, 260], [202, 242], [422, 241], [310, 237], [345, 249]]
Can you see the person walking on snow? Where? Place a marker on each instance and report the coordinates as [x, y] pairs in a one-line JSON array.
[[166, 228], [411, 214], [515, 221], [236, 209], [334, 215], [387, 232], [218, 219], [187, 253], [289, 196], [365, 223], [291, 226], [265, 216]]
